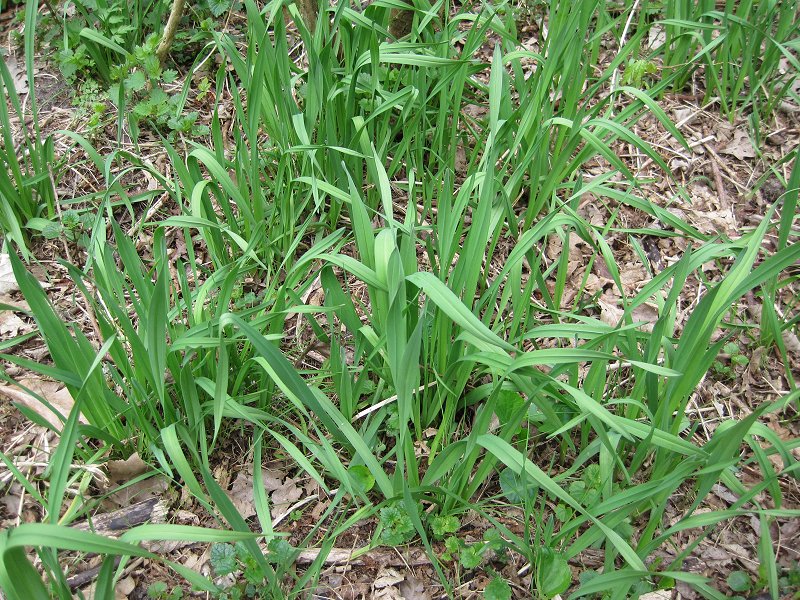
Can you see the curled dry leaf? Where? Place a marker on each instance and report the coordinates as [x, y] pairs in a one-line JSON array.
[[8, 282], [659, 595], [152, 487], [241, 492], [647, 314], [11, 325], [55, 393], [18, 75], [413, 589], [791, 341], [741, 146], [124, 588], [120, 471], [612, 314], [284, 496], [387, 577]]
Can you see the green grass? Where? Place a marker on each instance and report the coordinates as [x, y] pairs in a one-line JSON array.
[[740, 48], [417, 186], [27, 167]]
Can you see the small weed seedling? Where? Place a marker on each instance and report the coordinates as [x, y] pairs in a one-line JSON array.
[[158, 591], [251, 581], [736, 358], [139, 84], [72, 226], [395, 526], [640, 73], [497, 589]]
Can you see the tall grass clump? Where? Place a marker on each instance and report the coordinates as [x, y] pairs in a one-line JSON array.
[[27, 165], [747, 51], [415, 187]]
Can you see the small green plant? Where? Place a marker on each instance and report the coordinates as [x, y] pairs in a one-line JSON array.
[[203, 88], [586, 490], [498, 589], [735, 358], [216, 7], [790, 581], [739, 581], [224, 559], [745, 50], [640, 73], [71, 226], [517, 487], [452, 545], [395, 526], [553, 575], [92, 104], [441, 526], [158, 590], [113, 26], [27, 172], [471, 556], [139, 82], [227, 559]]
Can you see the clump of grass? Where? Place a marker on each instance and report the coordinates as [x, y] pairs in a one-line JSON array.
[[347, 177], [27, 166], [745, 49]]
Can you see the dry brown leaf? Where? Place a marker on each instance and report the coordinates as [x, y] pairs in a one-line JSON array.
[[656, 37], [11, 325], [715, 221], [554, 245], [186, 517], [632, 277], [741, 146], [55, 393], [8, 282], [646, 313], [15, 305], [575, 244], [725, 494], [120, 471], [716, 556], [18, 75], [610, 313], [241, 494], [387, 593], [387, 577], [124, 588], [141, 490], [272, 479], [791, 341], [11, 499], [412, 588], [461, 161], [590, 210], [284, 496], [595, 284], [659, 595]]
